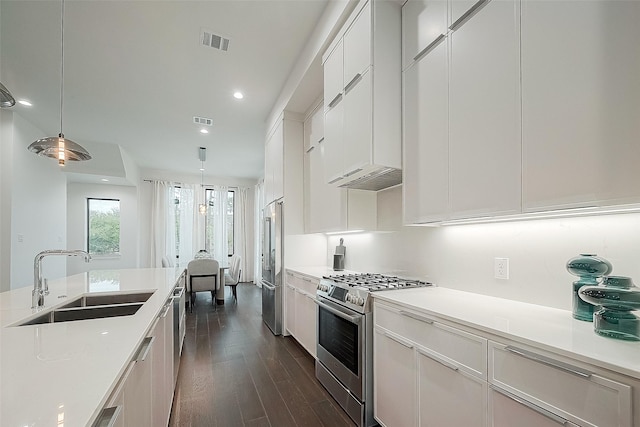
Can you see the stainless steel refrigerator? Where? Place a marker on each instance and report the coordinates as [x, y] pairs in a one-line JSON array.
[[272, 260]]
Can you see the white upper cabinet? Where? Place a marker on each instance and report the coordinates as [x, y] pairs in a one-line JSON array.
[[426, 138], [274, 174], [484, 113], [357, 47], [333, 76], [580, 103], [362, 117], [461, 10], [423, 21]]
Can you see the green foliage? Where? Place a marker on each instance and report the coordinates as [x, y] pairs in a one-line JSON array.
[[104, 232]]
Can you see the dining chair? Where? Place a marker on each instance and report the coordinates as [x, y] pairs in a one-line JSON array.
[[202, 276], [232, 278]]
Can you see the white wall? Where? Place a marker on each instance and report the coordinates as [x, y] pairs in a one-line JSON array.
[[38, 207], [6, 168], [462, 256], [77, 195]]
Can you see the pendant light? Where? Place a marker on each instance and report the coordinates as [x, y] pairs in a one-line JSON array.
[[202, 208], [6, 99], [59, 147]]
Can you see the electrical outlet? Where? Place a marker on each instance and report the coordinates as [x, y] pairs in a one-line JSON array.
[[501, 268], [20, 238]]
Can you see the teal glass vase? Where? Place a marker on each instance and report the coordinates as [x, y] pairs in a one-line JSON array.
[[589, 268], [616, 299]]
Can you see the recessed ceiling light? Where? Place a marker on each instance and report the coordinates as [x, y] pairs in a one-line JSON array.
[[204, 131], [104, 180], [238, 95], [24, 102]]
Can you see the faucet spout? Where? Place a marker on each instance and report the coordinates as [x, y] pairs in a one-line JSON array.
[[39, 291]]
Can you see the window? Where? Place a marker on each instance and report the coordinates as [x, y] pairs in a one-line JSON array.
[[210, 226], [103, 226]]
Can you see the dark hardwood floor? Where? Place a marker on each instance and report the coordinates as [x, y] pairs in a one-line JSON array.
[[235, 372]]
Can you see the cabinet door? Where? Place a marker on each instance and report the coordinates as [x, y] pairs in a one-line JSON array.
[[291, 309], [160, 412], [394, 380], [277, 158], [334, 142], [461, 10], [507, 410], [306, 319], [357, 46], [580, 103], [326, 202], [444, 390], [426, 138], [333, 75], [317, 127], [423, 21], [358, 125], [137, 392], [484, 120]]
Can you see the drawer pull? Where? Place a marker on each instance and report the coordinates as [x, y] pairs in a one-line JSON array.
[[416, 317], [557, 418], [429, 47], [439, 360], [306, 280], [335, 100], [291, 287], [475, 8], [144, 349], [108, 416], [352, 83], [549, 362], [396, 339]]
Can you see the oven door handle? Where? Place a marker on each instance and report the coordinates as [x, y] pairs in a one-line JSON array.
[[325, 305]]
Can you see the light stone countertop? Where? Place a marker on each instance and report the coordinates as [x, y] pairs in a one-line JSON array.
[[546, 328], [63, 373]]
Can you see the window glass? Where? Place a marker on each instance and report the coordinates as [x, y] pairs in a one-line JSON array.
[[211, 228], [103, 234]]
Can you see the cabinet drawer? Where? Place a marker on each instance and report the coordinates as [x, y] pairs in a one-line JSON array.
[[563, 388], [468, 351]]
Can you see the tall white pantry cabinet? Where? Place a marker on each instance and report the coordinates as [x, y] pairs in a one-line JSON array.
[[519, 106]]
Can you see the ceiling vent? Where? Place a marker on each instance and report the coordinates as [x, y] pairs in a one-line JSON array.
[[203, 121], [210, 39]]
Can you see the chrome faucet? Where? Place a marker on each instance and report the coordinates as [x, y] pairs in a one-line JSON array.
[[39, 291]]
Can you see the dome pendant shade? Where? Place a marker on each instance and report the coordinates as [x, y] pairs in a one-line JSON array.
[[58, 147], [6, 99]]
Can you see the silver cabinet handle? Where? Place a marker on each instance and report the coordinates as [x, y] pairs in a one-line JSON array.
[[548, 414], [335, 100], [335, 180], [166, 308], [475, 8], [321, 140], [291, 287], [353, 82], [310, 149], [396, 339], [429, 47], [144, 349], [549, 362], [416, 317], [307, 279], [439, 360]]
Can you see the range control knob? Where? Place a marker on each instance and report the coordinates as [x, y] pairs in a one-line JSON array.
[[322, 287], [359, 301], [351, 298]]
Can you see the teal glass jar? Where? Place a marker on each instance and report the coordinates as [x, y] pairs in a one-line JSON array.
[[616, 299], [589, 268]]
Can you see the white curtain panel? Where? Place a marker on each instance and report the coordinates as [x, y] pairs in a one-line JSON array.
[[257, 227], [162, 223], [187, 222], [218, 216], [242, 240]]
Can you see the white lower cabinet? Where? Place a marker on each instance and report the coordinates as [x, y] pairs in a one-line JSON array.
[[394, 372], [429, 372], [301, 308], [440, 370], [447, 396], [138, 387], [561, 388]]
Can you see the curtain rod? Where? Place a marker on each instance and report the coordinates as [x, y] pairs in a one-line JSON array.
[[180, 183]]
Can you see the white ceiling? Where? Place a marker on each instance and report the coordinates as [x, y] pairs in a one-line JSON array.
[[136, 74]]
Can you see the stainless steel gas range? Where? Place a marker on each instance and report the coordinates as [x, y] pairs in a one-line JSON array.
[[345, 338]]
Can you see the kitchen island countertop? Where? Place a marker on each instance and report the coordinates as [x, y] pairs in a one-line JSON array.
[[63, 373]]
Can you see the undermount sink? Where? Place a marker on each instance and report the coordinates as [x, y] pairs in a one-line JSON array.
[[108, 299], [93, 307]]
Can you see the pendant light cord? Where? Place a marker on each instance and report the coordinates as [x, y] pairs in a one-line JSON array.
[[61, 66]]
